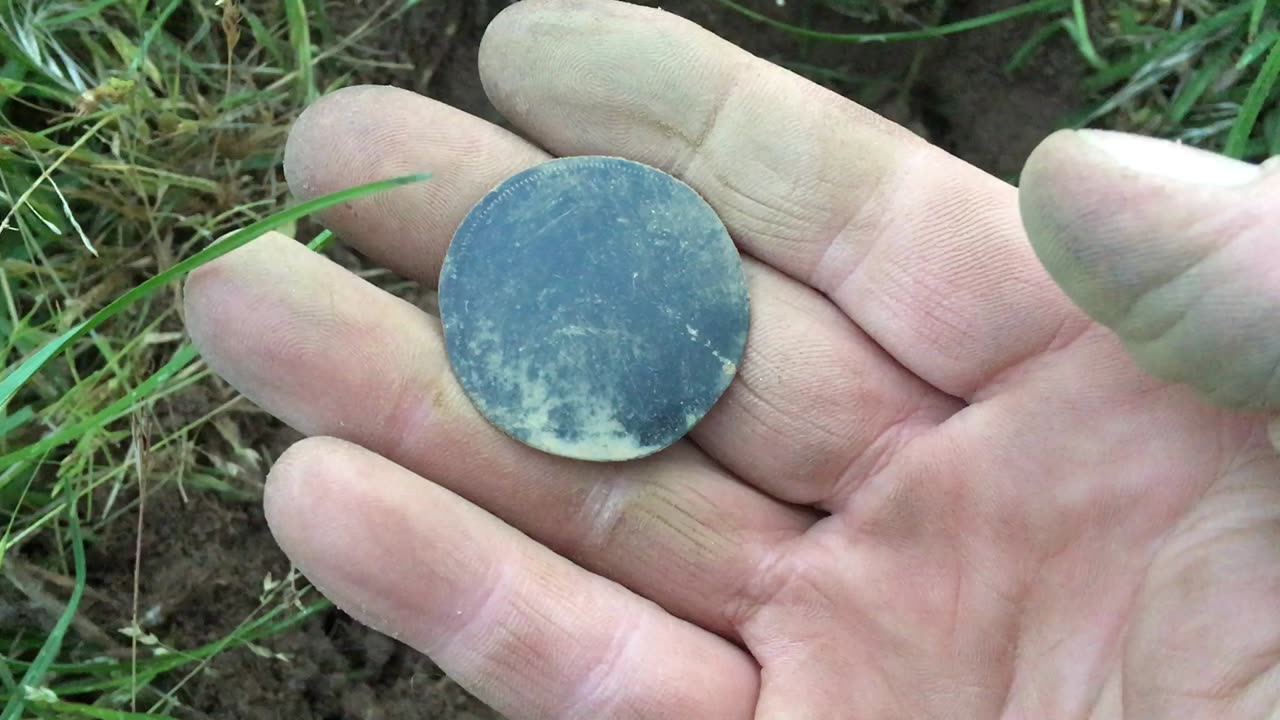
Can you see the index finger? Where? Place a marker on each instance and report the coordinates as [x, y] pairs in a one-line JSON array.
[[923, 251]]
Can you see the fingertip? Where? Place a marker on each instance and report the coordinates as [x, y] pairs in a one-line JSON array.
[[335, 509], [628, 80], [1110, 216], [1048, 150], [1175, 163], [524, 20], [264, 248], [306, 463], [1046, 178], [1171, 247], [334, 132], [500, 43], [281, 497], [303, 487], [308, 341], [328, 501], [1140, 159], [370, 133], [211, 291]]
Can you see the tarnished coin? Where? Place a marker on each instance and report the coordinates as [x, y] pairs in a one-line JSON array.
[[593, 308]]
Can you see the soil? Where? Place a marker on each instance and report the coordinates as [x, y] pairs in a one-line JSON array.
[[206, 555]]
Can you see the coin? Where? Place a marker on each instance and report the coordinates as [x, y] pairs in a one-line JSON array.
[[593, 308]]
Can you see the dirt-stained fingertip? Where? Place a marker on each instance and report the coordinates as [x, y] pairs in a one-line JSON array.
[[1170, 247]]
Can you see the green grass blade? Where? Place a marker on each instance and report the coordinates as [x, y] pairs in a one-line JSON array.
[[322, 241], [1078, 27], [130, 401], [1257, 49], [7, 679], [1255, 17], [172, 50], [69, 710], [1195, 88], [12, 77], [324, 25], [268, 625], [1148, 68], [1271, 133], [1121, 71], [300, 39], [11, 383], [1037, 39], [13, 52], [140, 59], [264, 37], [121, 407], [8, 423], [1259, 92], [53, 643], [163, 177], [1031, 8], [89, 10]]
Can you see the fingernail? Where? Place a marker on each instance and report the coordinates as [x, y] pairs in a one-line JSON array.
[[1171, 160]]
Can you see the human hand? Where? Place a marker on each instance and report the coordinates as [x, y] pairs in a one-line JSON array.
[[937, 488]]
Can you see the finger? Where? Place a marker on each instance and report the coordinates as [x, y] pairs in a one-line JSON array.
[[331, 355], [924, 252], [815, 403], [522, 628], [816, 407], [1173, 248], [367, 133]]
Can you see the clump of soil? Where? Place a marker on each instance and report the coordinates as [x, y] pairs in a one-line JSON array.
[[204, 558]]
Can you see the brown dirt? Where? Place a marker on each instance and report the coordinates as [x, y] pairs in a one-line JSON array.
[[205, 558]]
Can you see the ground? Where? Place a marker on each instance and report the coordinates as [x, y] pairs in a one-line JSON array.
[[206, 556]]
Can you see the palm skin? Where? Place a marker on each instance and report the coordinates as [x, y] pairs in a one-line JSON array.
[[941, 486]]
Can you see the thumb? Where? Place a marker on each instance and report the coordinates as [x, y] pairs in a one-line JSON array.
[[1175, 249]]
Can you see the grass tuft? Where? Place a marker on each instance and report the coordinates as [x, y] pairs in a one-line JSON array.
[[1261, 93], [927, 33], [1184, 70], [133, 136], [21, 374], [32, 687]]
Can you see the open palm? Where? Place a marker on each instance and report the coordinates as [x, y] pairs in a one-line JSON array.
[[937, 488]]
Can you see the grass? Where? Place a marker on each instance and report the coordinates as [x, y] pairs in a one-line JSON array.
[[1203, 72], [132, 136], [135, 134]]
